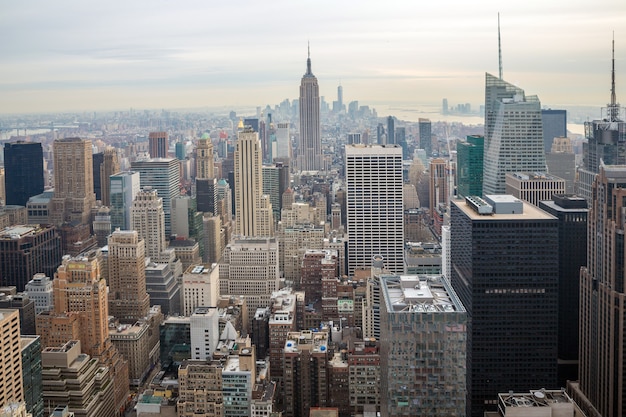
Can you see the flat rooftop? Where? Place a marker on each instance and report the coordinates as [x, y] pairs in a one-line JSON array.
[[530, 212], [419, 294]]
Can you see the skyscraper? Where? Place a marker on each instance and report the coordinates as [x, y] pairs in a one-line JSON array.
[[603, 297], [469, 157], [204, 158], [391, 131], [513, 134], [163, 175], [425, 132], [81, 313], [159, 144], [310, 156], [572, 213], [110, 166], [128, 299], [283, 142], [23, 170], [148, 219], [26, 250], [423, 328], [253, 210], [124, 188], [554, 126], [73, 182], [11, 388], [504, 267], [606, 143], [374, 206]]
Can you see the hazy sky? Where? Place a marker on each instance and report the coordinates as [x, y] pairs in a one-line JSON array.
[[86, 55]]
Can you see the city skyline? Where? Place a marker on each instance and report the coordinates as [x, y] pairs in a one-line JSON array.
[[67, 56]]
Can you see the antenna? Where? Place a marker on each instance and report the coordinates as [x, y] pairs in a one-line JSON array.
[[499, 48], [613, 107]]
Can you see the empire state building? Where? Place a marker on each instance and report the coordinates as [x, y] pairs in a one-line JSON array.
[[310, 146]]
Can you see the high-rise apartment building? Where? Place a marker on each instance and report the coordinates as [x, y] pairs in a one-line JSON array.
[[26, 250], [425, 136], [124, 187], [253, 210], [602, 371], [424, 329], [513, 134], [469, 165], [554, 126], [128, 299], [11, 388], [23, 172], [504, 264], [310, 157], [374, 206], [148, 219], [73, 182], [110, 166], [163, 175], [571, 212], [305, 378], [158, 143]]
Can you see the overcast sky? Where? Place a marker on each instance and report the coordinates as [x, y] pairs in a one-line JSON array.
[[86, 55]]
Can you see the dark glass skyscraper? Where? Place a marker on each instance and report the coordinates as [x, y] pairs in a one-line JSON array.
[[554, 126], [470, 166], [504, 268], [572, 212], [425, 131], [23, 170]]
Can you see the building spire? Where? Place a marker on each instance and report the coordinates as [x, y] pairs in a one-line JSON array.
[[308, 60], [499, 49], [613, 107]]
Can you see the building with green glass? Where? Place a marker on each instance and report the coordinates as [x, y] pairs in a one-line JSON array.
[[469, 156]]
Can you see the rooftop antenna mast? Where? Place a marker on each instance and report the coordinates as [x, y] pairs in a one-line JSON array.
[[613, 107], [499, 48]]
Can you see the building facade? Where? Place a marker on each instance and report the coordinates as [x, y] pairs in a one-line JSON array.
[[310, 157], [424, 329], [513, 133], [504, 265], [23, 171], [374, 206]]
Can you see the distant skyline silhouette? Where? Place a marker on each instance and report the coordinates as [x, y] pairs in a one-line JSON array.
[[70, 55]]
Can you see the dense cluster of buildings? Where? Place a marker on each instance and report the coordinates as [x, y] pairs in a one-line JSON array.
[[279, 270]]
